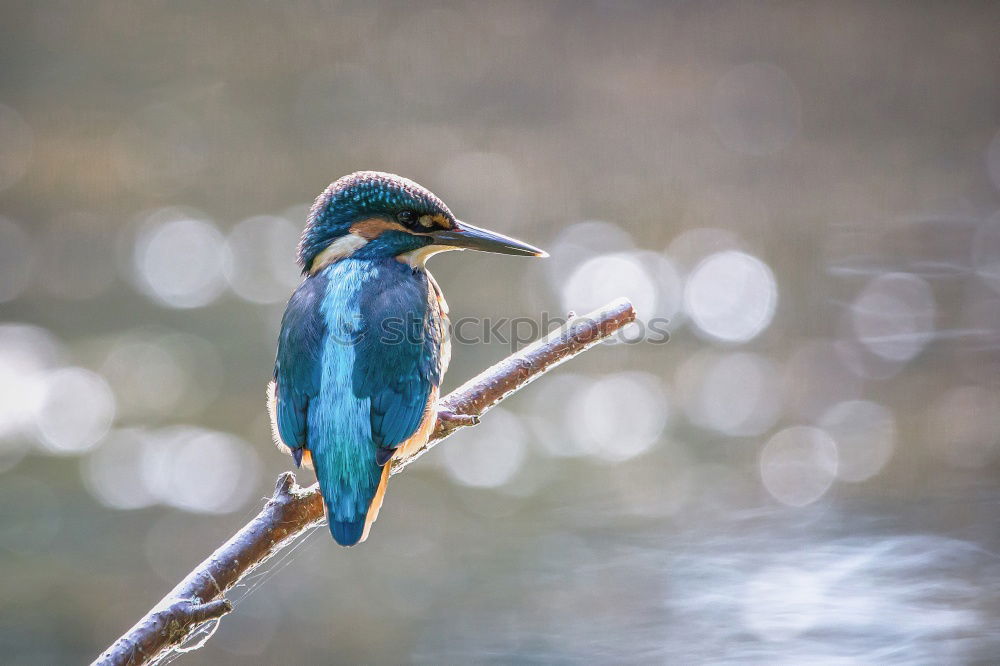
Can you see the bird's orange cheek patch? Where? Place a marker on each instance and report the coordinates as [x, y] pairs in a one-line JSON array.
[[373, 227], [436, 221]]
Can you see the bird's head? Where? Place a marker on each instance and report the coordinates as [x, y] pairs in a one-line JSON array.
[[373, 214]]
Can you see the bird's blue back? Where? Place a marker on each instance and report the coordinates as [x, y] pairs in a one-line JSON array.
[[359, 357]]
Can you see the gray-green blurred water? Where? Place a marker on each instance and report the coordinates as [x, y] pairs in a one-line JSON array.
[[809, 193]]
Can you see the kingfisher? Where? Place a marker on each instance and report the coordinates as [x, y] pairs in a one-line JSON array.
[[364, 339]]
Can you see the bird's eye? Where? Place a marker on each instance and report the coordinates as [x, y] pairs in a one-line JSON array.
[[406, 217]]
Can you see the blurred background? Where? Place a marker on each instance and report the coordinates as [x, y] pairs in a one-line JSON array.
[[809, 192]]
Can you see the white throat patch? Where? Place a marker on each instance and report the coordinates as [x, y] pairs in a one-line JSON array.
[[339, 249], [417, 258]]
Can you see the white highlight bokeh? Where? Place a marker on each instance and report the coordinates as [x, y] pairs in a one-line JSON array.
[[489, 455], [893, 316], [588, 286], [146, 375], [584, 240], [619, 416], [262, 249], [180, 262], [798, 465], [649, 280], [865, 433], [111, 472], [736, 394], [554, 397], [189, 468], [75, 412], [731, 296], [199, 470], [692, 245], [27, 352]]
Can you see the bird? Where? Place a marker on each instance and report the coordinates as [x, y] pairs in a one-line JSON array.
[[364, 340]]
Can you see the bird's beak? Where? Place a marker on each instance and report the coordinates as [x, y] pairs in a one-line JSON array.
[[468, 237]]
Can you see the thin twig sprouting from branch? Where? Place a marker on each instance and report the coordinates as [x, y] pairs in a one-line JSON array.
[[292, 510]]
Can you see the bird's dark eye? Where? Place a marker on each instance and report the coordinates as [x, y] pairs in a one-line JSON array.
[[406, 217]]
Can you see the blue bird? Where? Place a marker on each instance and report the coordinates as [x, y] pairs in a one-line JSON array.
[[364, 339]]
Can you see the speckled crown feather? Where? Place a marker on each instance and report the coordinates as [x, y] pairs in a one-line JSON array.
[[359, 195]]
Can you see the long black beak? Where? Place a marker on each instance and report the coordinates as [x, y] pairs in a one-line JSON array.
[[469, 237]]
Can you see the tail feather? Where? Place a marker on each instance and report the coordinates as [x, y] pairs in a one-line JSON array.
[[346, 513], [347, 533], [348, 490]]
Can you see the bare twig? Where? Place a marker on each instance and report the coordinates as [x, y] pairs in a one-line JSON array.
[[476, 396], [292, 510]]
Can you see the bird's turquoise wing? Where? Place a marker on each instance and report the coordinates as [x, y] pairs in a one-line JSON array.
[[298, 365], [398, 362]]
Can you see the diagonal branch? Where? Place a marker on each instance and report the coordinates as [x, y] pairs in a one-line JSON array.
[[292, 510]]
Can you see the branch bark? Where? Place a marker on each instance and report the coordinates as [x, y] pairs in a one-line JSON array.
[[292, 510]]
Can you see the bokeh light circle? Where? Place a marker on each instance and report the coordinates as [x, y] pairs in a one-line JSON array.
[[553, 397], [650, 281], [619, 416], [689, 247], [199, 470], [798, 465], [490, 454], [581, 241], [76, 410], [893, 316], [865, 433], [111, 471], [736, 394], [26, 353], [262, 250], [180, 262], [731, 296], [147, 376]]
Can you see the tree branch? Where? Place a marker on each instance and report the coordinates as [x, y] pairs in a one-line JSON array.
[[292, 510]]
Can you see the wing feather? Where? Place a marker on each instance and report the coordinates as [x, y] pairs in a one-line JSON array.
[[398, 362], [298, 365]]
